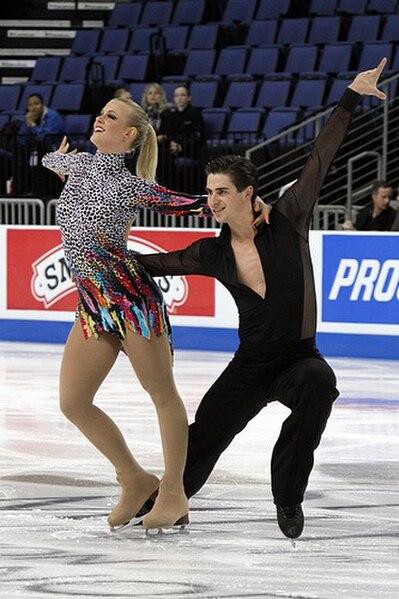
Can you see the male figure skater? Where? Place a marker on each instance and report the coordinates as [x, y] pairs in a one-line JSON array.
[[268, 271]]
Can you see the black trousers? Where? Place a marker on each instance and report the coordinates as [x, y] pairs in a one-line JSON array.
[[297, 376]]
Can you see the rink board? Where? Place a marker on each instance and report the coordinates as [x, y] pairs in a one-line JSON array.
[[356, 275]]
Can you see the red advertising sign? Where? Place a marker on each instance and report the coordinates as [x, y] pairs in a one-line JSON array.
[[38, 277]]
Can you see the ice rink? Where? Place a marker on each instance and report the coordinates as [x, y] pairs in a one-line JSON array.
[[56, 492]]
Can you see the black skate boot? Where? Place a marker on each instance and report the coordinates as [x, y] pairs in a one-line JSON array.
[[291, 520]]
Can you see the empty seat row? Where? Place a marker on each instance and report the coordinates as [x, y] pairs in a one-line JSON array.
[[157, 13], [238, 11], [319, 30], [230, 61], [187, 12]]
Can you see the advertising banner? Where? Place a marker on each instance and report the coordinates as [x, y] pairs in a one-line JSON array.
[[38, 278]]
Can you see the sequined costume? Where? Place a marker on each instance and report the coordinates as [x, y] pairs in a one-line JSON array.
[[94, 212]]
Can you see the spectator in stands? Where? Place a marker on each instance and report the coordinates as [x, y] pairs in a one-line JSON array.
[[154, 102], [395, 224], [380, 215], [41, 121], [182, 132], [122, 93], [40, 132]]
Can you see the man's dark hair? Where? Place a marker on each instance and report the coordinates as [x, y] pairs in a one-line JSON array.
[[240, 170], [35, 95], [379, 183], [184, 86]]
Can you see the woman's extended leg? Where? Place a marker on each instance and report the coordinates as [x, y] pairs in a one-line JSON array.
[[85, 365], [152, 362]]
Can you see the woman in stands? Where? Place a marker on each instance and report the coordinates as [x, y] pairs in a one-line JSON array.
[[120, 306], [154, 103]]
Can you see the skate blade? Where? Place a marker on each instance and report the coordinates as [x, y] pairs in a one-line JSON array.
[[166, 530], [122, 528]]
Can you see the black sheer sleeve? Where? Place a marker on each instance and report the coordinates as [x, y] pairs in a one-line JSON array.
[[298, 201], [180, 262]]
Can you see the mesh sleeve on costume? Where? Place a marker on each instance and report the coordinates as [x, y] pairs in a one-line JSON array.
[[156, 197], [179, 262], [298, 201]]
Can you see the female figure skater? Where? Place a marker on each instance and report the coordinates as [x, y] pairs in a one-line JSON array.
[[119, 304]]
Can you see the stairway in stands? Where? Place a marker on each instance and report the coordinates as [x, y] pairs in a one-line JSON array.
[[32, 28]]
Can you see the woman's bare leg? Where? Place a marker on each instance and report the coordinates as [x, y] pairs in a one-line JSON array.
[[85, 365], [152, 362]]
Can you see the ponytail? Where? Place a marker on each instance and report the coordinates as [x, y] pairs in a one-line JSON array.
[[146, 140], [147, 160]]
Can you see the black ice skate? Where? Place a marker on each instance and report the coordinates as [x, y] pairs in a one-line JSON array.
[[291, 520]]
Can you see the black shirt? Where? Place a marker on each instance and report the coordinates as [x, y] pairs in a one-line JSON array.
[[288, 312], [382, 222], [185, 127]]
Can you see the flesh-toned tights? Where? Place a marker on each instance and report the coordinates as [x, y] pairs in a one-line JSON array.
[[85, 365]]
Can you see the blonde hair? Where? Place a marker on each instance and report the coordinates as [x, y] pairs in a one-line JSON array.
[[145, 140], [163, 102]]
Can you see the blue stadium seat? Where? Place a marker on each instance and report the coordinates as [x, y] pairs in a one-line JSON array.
[[31, 88], [199, 62], [324, 30], [203, 36], [395, 62], [382, 6], [301, 57], [261, 33], [133, 68], [216, 120], [338, 87], [390, 32], [335, 57], [352, 7], [103, 68], [125, 15], [204, 93], [293, 31], [272, 9], [239, 11], [240, 94], [363, 28], [264, 60], [68, 97], [231, 60], [137, 90], [279, 119], [189, 12], [114, 40], [85, 41], [156, 13], [77, 124], [372, 54], [175, 36], [4, 118], [74, 68], [140, 39], [9, 95], [323, 7], [308, 92], [274, 93], [244, 127], [46, 68]]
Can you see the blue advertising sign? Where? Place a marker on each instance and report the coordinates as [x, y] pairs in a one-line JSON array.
[[361, 279]]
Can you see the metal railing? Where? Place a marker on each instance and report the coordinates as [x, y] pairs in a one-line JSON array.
[[20, 211], [374, 130]]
